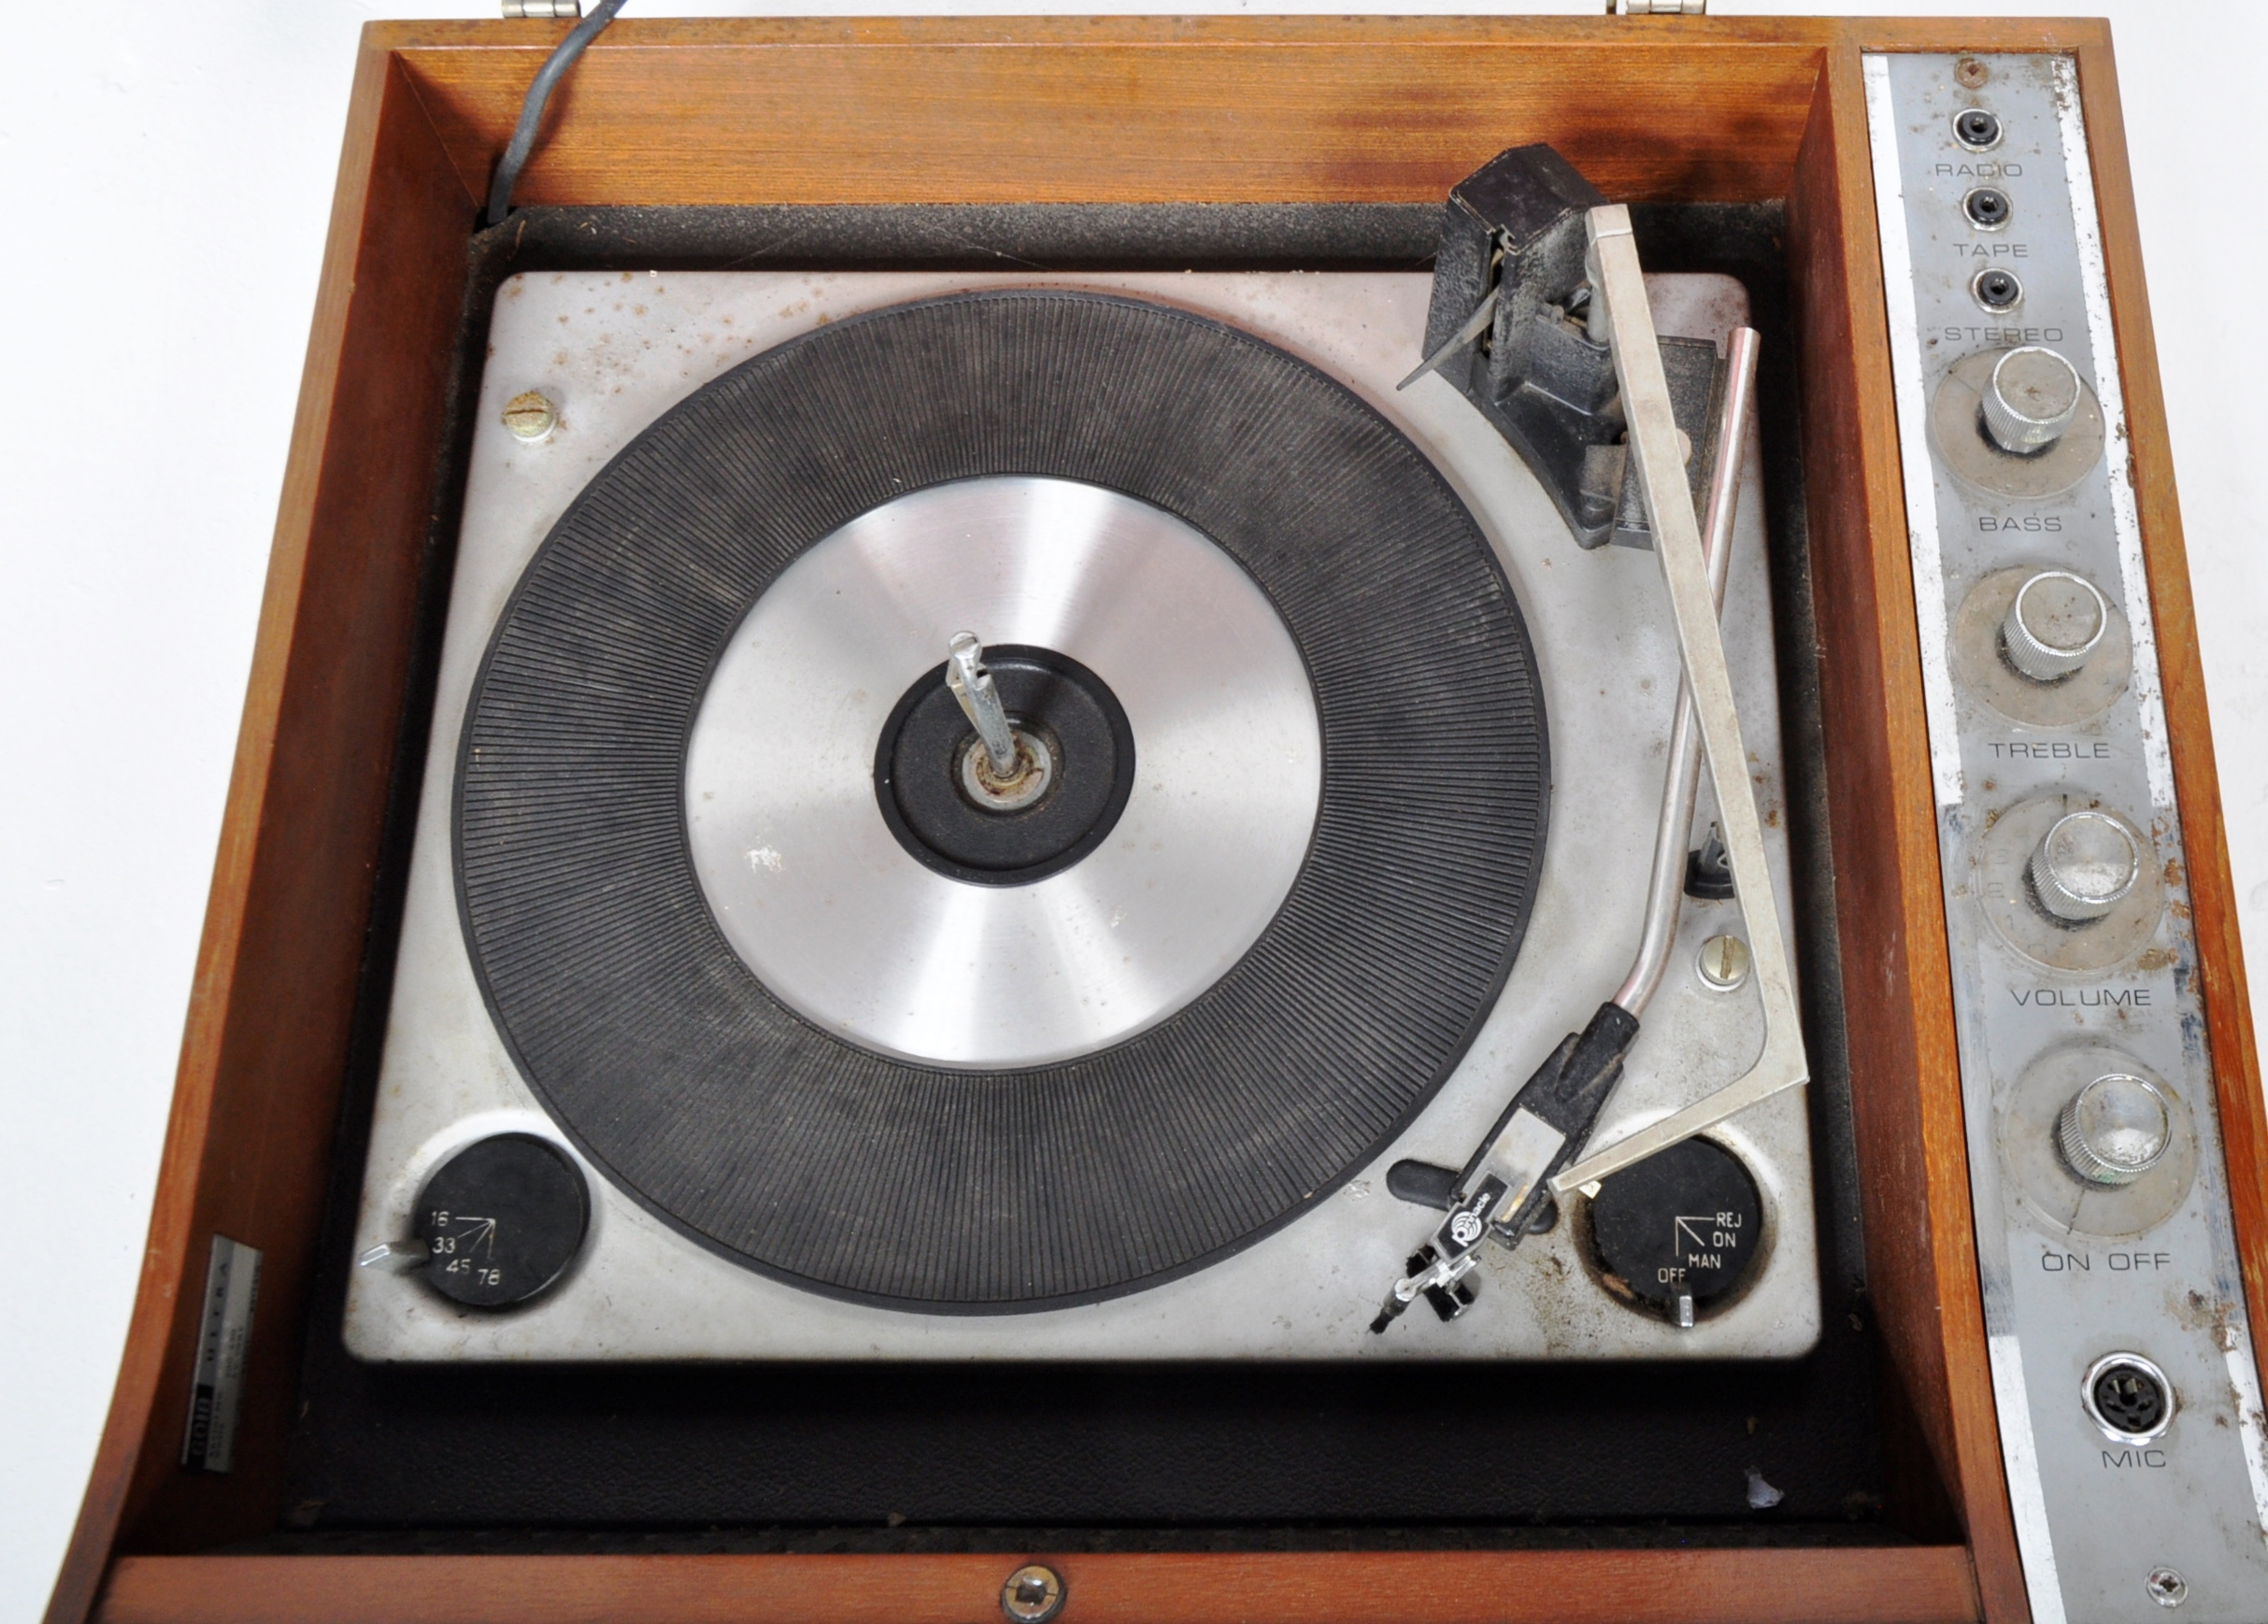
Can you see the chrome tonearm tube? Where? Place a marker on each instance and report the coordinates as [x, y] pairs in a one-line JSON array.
[[1534, 1153]]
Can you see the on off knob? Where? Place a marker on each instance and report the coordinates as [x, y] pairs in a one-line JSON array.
[[2085, 866], [2031, 399], [2115, 1129], [2053, 624]]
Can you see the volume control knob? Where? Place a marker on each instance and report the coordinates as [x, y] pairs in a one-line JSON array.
[[2085, 866], [2031, 399], [2115, 1129], [2053, 624]]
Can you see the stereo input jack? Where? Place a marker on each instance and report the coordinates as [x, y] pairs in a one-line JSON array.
[[1977, 129], [1997, 289], [1988, 208], [2128, 1397]]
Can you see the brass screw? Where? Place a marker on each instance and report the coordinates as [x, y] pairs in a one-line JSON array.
[[531, 416], [1724, 962], [1033, 1595]]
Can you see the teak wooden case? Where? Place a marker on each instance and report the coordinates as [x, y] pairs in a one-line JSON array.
[[1094, 111]]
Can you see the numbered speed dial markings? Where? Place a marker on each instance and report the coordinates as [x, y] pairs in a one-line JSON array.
[[503, 1220]]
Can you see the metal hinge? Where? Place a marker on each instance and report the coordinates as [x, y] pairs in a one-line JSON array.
[[1657, 8], [558, 8]]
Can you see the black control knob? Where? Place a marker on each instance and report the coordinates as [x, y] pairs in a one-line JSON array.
[[503, 1220], [1679, 1228]]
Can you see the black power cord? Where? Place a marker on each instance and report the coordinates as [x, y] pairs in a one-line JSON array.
[[530, 110]]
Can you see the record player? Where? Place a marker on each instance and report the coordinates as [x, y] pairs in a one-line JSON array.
[[1010, 975], [1153, 872]]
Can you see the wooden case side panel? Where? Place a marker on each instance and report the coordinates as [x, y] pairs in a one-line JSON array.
[[248, 1148], [1905, 1079], [1108, 110], [2236, 1069], [1902, 1585]]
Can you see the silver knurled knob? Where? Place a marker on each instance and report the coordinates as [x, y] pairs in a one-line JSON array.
[[2115, 1129], [2054, 623], [2085, 866], [2032, 399]]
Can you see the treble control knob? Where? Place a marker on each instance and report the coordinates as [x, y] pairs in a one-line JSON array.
[[2032, 396], [2114, 1130], [2084, 866], [2053, 623]]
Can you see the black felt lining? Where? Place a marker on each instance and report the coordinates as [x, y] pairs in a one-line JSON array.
[[844, 1171]]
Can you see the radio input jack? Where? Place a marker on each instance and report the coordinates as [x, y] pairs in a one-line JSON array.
[[1977, 129], [2128, 1397], [1996, 289], [1988, 208]]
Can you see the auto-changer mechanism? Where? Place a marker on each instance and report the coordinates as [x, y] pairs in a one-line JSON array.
[[1534, 1153]]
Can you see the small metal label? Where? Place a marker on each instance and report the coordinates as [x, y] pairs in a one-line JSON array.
[[232, 1287], [1521, 1155]]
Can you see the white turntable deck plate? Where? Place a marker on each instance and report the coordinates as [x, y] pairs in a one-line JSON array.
[[614, 350]]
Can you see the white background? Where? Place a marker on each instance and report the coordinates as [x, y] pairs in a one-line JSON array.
[[165, 174]]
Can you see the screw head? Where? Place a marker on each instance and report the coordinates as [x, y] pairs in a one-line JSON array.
[[1033, 1595], [1724, 962], [2167, 1588], [531, 416], [1970, 73]]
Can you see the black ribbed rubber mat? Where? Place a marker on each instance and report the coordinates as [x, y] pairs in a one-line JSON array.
[[846, 1172]]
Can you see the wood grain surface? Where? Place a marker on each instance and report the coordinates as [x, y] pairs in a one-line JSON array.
[[1908, 1585], [255, 1105], [1118, 109]]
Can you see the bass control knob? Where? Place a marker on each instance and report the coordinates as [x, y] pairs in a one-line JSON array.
[[2114, 1130], [2084, 866], [2053, 623], [2032, 396]]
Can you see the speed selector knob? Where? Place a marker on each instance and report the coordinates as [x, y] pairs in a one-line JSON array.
[[2084, 866], [2115, 1129], [502, 1219], [2031, 397]]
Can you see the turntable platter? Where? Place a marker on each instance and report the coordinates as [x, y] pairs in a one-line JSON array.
[[1252, 567], [866, 936]]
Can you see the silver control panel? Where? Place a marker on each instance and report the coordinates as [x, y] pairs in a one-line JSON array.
[[2129, 1404]]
